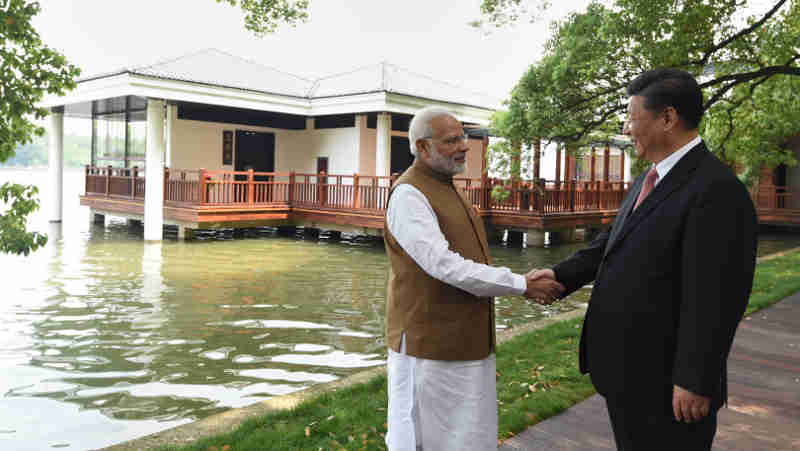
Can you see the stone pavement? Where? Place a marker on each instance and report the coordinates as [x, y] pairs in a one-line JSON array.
[[763, 410]]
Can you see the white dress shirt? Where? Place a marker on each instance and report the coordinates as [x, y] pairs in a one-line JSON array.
[[665, 165]]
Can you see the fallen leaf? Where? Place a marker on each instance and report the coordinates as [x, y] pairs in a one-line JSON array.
[[226, 448], [532, 416], [308, 432]]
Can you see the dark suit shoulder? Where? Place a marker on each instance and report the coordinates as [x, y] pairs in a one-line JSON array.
[[713, 179]]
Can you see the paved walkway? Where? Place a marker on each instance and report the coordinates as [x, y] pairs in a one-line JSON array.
[[763, 404]]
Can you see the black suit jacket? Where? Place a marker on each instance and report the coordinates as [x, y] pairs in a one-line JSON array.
[[672, 281]]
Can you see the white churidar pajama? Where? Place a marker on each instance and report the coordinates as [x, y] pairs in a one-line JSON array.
[[438, 405]]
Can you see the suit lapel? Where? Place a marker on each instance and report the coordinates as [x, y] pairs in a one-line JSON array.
[[676, 178], [624, 211]]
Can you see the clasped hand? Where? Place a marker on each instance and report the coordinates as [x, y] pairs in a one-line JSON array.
[[543, 288]]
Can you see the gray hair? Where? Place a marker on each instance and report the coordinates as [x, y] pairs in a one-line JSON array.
[[420, 126]]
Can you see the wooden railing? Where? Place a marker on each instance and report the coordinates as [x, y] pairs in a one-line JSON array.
[[771, 196], [368, 194], [126, 183]]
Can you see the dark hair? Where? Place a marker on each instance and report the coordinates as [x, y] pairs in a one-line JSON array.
[[662, 88]]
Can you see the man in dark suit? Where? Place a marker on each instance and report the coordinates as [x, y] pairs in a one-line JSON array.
[[672, 277]]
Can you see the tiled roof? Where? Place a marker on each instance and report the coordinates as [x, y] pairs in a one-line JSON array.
[[215, 67]]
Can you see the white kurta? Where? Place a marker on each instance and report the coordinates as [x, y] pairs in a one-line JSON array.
[[435, 404]]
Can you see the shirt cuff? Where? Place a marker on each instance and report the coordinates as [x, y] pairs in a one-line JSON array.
[[520, 285]]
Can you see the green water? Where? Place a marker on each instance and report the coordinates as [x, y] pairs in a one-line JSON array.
[[104, 338]]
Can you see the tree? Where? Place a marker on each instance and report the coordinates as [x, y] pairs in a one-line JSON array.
[[264, 16], [748, 67], [29, 69]]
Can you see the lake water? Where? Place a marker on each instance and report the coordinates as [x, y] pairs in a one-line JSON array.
[[104, 338]]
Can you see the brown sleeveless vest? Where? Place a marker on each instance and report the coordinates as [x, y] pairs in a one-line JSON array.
[[441, 322]]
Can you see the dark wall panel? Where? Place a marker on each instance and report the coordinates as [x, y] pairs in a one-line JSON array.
[[212, 113], [335, 121]]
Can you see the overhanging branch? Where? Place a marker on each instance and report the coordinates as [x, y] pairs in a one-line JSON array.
[[738, 35]]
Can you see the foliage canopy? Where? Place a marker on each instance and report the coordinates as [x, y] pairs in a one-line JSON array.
[[747, 63]]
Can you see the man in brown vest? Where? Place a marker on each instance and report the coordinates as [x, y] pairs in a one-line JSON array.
[[440, 312]]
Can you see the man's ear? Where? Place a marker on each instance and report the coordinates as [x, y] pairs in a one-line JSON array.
[[423, 146], [670, 118]]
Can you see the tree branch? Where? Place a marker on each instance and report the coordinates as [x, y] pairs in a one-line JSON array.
[[738, 35], [736, 79]]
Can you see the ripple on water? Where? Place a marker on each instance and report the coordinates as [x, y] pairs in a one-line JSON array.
[[335, 359], [284, 375], [309, 347]]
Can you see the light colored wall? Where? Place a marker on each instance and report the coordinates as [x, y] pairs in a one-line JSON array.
[[474, 159], [198, 144], [340, 145], [369, 141]]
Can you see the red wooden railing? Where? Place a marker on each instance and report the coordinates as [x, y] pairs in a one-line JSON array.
[[368, 194], [126, 183], [770, 196]]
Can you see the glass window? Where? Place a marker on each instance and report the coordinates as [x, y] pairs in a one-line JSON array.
[[110, 138], [137, 136]]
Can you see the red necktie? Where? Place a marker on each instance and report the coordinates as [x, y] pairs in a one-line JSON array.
[[649, 183]]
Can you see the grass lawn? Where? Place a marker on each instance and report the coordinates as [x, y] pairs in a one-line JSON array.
[[538, 378]]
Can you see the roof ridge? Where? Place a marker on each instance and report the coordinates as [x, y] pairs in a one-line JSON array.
[[134, 68], [256, 63], [428, 77], [339, 74]]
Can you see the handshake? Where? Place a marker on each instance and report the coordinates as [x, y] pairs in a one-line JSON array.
[[543, 288]]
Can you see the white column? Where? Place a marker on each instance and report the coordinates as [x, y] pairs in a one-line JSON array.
[[383, 143], [171, 116], [626, 177], [534, 238], [55, 163], [154, 172]]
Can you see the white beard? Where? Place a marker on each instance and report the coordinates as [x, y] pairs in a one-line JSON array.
[[446, 166]]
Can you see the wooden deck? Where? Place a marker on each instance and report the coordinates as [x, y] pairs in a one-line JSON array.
[[763, 410], [209, 199]]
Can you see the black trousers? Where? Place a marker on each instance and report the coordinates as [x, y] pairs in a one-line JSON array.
[[655, 428]]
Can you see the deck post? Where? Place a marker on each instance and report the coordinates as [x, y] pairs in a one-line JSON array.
[[321, 198], [203, 195], [356, 191], [56, 162], [166, 184], [154, 165], [108, 179], [250, 186], [572, 189], [592, 172], [606, 164], [86, 180], [622, 166], [134, 173], [290, 194], [537, 158], [484, 201]]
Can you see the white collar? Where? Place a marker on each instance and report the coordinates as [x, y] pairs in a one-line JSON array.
[[668, 163]]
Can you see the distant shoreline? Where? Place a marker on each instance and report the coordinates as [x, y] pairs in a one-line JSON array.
[[37, 168]]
